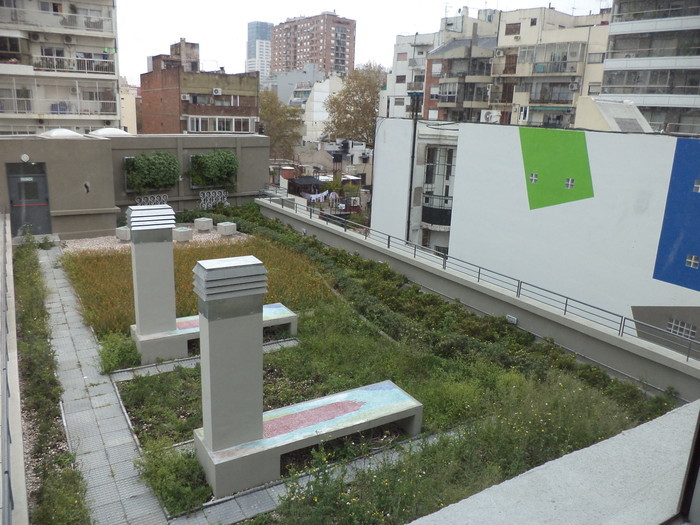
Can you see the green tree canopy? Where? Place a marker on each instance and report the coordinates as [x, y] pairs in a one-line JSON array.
[[281, 123], [352, 112]]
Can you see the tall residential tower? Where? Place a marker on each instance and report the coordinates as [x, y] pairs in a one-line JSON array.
[[326, 40], [258, 54]]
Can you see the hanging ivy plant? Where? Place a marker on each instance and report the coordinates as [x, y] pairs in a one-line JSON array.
[[218, 168], [159, 170]]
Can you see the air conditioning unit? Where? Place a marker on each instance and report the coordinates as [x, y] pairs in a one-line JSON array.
[[573, 86], [184, 96], [67, 39], [73, 90], [500, 53], [217, 91], [516, 37], [34, 36]]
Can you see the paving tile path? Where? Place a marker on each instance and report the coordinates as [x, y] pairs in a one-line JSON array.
[[98, 430]]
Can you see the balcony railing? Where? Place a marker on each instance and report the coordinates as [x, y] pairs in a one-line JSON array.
[[41, 19], [77, 65], [437, 210], [668, 51], [668, 12], [58, 106], [651, 90], [549, 68], [414, 86]]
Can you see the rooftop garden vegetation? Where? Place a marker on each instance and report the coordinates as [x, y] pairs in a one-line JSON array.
[[156, 171], [217, 168], [503, 402]]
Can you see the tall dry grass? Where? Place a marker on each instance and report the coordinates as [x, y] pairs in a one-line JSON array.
[[103, 280]]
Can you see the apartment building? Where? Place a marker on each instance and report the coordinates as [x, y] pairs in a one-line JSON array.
[[58, 66], [258, 53], [176, 97], [527, 66], [326, 40], [544, 61], [653, 60]]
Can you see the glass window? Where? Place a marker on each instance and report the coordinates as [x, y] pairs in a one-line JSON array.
[[596, 58], [400, 79], [513, 29], [692, 261]]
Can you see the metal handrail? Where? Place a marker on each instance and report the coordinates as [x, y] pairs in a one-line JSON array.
[[5, 437], [619, 324]]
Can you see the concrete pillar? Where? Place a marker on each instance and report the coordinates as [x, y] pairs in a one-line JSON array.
[[153, 267], [230, 295]]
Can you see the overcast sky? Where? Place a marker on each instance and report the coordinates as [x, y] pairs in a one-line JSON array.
[[220, 27]]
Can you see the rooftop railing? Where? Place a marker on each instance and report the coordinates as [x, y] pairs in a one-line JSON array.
[[567, 306]]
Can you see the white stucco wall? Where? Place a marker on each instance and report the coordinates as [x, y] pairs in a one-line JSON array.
[[392, 165], [600, 250]]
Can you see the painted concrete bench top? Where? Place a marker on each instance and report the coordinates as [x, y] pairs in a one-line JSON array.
[[274, 314], [303, 424]]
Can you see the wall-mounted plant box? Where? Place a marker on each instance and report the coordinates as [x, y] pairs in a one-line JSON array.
[[215, 169]]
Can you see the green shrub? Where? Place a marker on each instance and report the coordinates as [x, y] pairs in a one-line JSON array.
[[217, 168], [61, 500], [175, 476], [159, 170], [118, 351]]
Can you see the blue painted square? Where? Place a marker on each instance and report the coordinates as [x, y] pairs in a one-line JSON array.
[[680, 233]]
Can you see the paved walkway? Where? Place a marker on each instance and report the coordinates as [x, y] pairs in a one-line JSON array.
[[98, 430]]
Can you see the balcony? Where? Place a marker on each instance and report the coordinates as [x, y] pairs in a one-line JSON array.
[[666, 12], [554, 68], [437, 210], [45, 107], [62, 22], [74, 65], [414, 86]]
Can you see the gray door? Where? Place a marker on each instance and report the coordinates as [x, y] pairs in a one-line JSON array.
[[29, 198]]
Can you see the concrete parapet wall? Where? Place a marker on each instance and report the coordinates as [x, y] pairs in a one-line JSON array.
[[649, 363]]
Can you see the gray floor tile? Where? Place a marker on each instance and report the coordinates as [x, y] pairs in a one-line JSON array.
[[102, 494], [256, 502], [118, 437], [112, 423], [92, 460], [124, 470], [141, 505], [97, 477], [109, 514], [87, 444], [196, 518], [227, 512], [120, 453], [103, 387], [131, 487]]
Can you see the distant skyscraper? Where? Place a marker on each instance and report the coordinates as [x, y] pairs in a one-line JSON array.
[[258, 56], [326, 40]]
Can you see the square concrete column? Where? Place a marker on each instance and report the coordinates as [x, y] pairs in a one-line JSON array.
[[153, 267], [230, 295]]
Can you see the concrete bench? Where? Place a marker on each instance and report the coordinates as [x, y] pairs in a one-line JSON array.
[[305, 424], [187, 329]]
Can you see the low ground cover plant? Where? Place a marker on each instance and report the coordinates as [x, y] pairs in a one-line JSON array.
[[59, 498], [511, 403]]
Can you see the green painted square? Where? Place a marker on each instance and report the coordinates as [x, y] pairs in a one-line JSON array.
[[555, 155]]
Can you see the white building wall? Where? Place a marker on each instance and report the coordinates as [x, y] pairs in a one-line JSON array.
[[600, 250], [315, 114], [392, 164]]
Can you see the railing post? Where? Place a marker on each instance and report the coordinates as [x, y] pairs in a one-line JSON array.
[[415, 249], [478, 275], [566, 305], [622, 326], [444, 262], [388, 241], [311, 213], [345, 225], [517, 293]]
